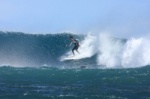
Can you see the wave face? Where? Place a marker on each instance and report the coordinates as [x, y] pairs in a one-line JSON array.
[[102, 51], [19, 49]]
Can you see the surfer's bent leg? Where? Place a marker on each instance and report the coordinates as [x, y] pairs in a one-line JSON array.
[[77, 51], [77, 46], [73, 50]]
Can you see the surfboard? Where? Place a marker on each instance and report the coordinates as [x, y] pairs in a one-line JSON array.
[[69, 58]]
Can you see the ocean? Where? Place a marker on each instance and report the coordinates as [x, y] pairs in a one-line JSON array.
[[31, 67]]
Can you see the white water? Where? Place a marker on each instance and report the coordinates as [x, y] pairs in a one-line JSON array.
[[134, 53], [112, 53]]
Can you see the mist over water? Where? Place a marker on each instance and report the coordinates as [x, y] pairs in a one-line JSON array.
[[109, 51], [102, 51], [136, 52], [126, 53]]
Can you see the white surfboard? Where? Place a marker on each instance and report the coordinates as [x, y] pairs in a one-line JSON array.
[[68, 58]]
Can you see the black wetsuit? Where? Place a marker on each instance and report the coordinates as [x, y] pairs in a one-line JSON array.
[[76, 44]]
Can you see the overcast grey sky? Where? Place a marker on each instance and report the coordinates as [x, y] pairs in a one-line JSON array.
[[122, 18]]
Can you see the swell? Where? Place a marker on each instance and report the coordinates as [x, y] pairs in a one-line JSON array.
[[19, 49]]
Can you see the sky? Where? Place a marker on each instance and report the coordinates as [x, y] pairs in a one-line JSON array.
[[122, 18]]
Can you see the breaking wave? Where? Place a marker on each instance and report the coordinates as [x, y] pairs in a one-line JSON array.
[[101, 51]]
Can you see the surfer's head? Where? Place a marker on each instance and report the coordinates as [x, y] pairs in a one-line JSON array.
[[71, 37]]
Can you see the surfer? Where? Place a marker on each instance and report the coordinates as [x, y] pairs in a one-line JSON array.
[[76, 44]]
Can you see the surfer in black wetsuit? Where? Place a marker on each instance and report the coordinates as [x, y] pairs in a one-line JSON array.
[[76, 44]]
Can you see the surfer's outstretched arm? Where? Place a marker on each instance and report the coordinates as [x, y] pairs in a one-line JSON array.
[[69, 44]]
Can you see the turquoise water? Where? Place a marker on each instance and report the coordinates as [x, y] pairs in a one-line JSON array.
[[55, 83]]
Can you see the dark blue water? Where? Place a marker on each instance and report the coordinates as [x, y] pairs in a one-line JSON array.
[[48, 82]]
